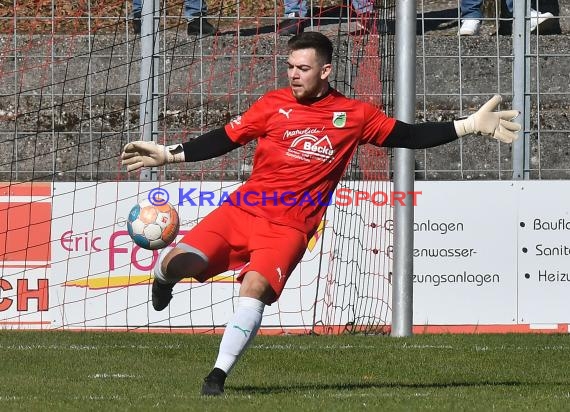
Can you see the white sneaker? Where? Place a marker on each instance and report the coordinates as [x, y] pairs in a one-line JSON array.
[[470, 27], [537, 18]]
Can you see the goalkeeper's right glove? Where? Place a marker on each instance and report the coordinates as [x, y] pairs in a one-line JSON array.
[[140, 153], [487, 122]]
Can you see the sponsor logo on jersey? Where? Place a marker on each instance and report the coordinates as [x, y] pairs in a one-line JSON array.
[[339, 119], [301, 132], [308, 147]]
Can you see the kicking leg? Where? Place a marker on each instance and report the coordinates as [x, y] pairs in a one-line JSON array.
[[203, 252], [172, 266]]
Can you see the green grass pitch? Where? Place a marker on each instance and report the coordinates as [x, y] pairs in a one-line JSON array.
[[69, 371]]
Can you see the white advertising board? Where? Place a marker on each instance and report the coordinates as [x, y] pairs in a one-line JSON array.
[[516, 241], [543, 226], [465, 253]]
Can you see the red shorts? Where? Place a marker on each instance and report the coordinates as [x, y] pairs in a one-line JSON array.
[[231, 238]]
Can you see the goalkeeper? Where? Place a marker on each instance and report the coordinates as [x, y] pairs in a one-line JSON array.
[[306, 135]]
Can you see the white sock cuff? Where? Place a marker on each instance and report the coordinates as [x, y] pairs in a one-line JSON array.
[[257, 305], [157, 271]]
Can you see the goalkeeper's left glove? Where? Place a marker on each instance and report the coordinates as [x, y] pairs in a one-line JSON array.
[[487, 122], [140, 153]]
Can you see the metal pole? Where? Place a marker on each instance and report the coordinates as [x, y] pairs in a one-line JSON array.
[[148, 106], [521, 99], [404, 165]]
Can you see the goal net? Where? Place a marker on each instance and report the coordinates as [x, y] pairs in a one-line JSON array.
[[74, 89]]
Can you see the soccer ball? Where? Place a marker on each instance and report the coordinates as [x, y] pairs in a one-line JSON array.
[[153, 226]]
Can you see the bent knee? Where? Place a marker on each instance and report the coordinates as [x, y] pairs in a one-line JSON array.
[[179, 263]]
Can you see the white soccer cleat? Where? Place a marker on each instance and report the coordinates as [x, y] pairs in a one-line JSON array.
[[470, 27], [537, 18]]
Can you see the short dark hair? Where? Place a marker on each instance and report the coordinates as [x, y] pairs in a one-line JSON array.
[[313, 40]]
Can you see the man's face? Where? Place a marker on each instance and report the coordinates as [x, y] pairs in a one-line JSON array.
[[307, 76]]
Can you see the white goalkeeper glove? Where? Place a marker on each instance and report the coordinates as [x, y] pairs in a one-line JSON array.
[[140, 153], [487, 122]]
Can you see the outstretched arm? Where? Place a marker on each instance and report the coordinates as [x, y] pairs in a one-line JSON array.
[[139, 153], [485, 121]]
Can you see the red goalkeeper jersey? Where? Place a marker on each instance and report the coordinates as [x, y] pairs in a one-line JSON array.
[[302, 152]]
